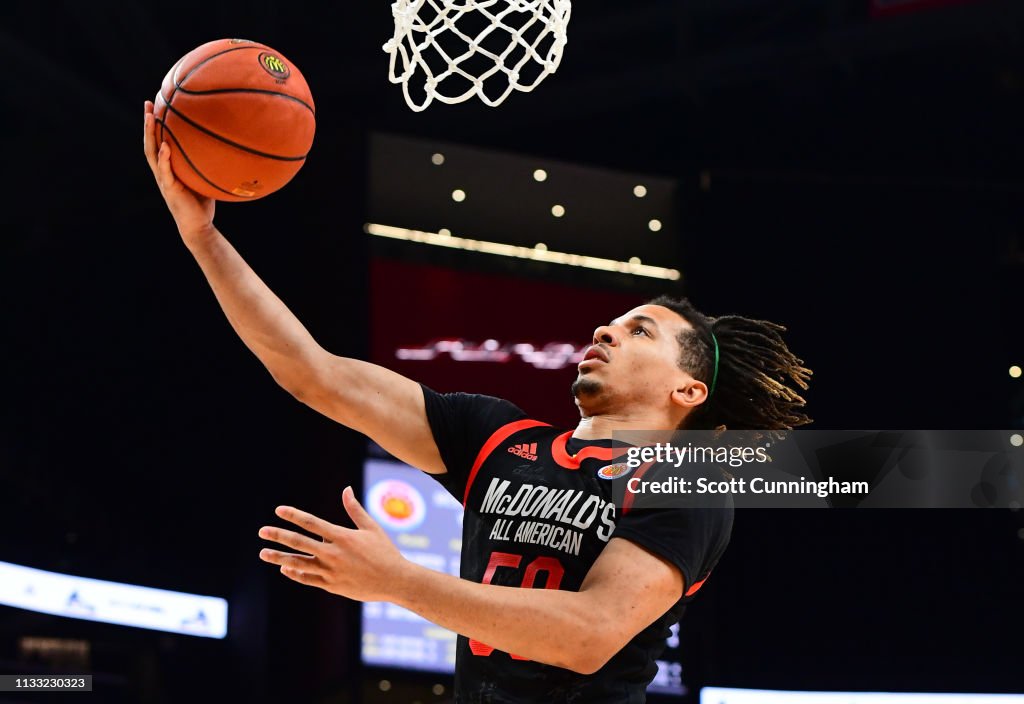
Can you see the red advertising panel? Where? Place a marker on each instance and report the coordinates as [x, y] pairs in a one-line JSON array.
[[506, 336]]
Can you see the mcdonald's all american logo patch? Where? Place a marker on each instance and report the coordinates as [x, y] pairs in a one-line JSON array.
[[526, 450], [614, 471], [396, 504]]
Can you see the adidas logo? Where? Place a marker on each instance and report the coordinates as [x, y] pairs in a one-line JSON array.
[[528, 451]]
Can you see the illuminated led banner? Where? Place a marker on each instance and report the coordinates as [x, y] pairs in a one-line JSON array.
[[112, 602], [721, 695]]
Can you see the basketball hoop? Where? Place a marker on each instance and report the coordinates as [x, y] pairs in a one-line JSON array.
[[451, 50]]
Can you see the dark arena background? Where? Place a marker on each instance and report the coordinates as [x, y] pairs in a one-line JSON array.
[[853, 169]]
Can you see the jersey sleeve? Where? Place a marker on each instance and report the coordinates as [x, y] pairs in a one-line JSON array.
[[689, 532], [461, 423]]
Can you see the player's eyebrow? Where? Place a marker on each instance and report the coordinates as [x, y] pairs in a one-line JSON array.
[[640, 319]]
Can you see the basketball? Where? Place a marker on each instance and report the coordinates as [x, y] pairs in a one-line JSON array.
[[238, 117]]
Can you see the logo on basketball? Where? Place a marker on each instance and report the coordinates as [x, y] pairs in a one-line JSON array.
[[247, 189], [396, 504], [614, 471], [274, 66]]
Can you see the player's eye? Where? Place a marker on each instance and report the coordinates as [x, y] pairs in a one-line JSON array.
[[641, 329]]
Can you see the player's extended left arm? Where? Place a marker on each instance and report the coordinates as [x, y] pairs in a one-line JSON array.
[[626, 589]]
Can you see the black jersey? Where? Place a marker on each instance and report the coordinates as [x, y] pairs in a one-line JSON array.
[[539, 510]]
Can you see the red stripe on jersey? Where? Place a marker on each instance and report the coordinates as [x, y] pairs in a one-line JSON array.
[[627, 499], [497, 437], [568, 461], [693, 590]]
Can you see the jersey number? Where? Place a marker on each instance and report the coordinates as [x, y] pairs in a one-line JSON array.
[[550, 565]]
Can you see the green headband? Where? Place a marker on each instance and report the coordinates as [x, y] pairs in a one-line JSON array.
[[714, 377]]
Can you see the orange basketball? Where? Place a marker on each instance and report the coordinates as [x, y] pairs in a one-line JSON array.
[[238, 117]]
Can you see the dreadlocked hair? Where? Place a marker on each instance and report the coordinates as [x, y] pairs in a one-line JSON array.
[[757, 374]]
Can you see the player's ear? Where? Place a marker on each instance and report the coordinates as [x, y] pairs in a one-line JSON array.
[[690, 394]]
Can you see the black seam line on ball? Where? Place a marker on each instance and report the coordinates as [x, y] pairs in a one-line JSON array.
[[211, 57], [261, 91], [233, 144], [193, 166], [174, 70], [174, 90]]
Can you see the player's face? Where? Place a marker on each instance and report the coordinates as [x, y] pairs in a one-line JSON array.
[[634, 360]]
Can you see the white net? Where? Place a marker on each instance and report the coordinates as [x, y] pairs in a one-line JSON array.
[[451, 50]]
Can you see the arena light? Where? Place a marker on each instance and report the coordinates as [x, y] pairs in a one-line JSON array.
[[112, 602], [510, 250], [1015, 371]]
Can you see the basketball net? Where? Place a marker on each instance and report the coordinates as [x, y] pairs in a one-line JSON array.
[[448, 49]]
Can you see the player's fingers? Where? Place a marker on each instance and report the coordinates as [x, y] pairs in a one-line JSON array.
[[303, 563], [307, 578], [356, 511], [149, 136], [164, 175], [313, 524], [291, 539]]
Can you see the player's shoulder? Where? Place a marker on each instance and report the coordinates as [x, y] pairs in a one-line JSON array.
[[474, 404]]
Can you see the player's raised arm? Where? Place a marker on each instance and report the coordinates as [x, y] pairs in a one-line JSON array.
[[365, 397]]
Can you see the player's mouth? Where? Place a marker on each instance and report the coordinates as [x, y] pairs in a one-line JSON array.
[[595, 352]]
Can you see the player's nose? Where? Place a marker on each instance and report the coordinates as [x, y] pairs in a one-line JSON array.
[[605, 334]]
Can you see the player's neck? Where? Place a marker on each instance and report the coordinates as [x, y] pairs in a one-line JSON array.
[[598, 427]]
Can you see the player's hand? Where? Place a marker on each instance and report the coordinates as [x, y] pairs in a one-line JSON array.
[[192, 212], [361, 563]]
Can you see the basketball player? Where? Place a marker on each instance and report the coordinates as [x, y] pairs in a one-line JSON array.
[[607, 582]]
